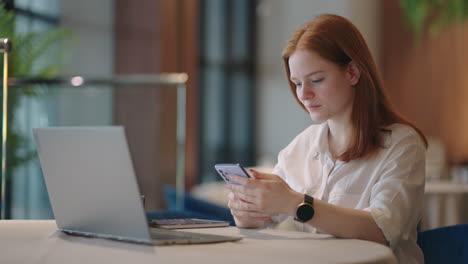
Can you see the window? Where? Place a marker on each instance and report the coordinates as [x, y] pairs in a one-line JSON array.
[[26, 195], [227, 55]]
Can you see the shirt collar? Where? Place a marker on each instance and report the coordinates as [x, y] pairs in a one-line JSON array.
[[320, 143]]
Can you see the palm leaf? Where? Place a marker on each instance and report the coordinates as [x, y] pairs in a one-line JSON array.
[[26, 60], [443, 12]]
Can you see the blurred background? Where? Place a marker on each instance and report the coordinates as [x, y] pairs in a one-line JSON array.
[[238, 108]]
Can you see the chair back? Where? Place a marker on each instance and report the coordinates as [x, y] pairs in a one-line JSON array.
[[445, 244]]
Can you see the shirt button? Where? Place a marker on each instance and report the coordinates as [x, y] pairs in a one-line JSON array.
[[315, 155]]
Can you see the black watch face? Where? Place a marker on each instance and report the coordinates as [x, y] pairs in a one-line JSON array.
[[305, 212]]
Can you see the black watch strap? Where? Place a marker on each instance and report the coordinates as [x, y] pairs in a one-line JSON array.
[[308, 199]]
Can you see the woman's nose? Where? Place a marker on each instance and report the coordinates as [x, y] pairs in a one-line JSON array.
[[305, 92]]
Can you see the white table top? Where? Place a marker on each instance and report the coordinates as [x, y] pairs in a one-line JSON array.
[[38, 241]]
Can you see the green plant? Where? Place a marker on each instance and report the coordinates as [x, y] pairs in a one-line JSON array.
[[433, 14], [25, 60]]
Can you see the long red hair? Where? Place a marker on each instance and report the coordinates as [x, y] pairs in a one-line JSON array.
[[336, 39]]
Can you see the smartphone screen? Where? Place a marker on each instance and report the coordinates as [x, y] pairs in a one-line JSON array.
[[230, 169]]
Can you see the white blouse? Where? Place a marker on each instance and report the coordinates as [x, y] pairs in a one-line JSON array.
[[390, 185]]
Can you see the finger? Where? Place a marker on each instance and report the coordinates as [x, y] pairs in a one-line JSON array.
[[249, 219], [263, 176], [235, 197], [246, 198], [248, 214], [253, 192], [246, 182], [255, 173], [232, 196], [239, 179], [242, 205]]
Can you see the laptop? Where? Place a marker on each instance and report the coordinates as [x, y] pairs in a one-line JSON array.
[[93, 190]]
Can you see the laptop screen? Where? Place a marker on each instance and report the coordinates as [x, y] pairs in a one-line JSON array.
[[91, 181]]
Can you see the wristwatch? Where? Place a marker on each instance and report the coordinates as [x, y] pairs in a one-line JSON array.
[[305, 211]]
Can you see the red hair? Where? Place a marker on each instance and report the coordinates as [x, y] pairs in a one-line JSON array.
[[336, 39]]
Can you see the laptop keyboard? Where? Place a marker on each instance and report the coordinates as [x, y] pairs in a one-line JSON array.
[[179, 221]]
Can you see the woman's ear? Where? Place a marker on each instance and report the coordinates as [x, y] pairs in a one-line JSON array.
[[353, 72]]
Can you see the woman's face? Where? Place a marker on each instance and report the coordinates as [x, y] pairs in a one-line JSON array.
[[325, 89]]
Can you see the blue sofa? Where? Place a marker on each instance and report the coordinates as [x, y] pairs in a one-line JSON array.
[[193, 208]]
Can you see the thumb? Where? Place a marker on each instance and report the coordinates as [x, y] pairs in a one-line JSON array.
[[262, 176]]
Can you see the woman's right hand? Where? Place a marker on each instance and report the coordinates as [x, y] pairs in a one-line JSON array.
[[245, 218]]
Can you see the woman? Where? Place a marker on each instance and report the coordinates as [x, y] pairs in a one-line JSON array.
[[360, 172]]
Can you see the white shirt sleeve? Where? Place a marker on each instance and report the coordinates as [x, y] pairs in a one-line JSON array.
[[397, 198]]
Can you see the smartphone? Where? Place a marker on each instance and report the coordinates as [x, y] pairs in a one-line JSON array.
[[230, 169]]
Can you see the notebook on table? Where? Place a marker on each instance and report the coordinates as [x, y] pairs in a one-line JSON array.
[[93, 190]]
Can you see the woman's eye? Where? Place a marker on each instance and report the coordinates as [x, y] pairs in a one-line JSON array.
[[297, 85], [317, 80]]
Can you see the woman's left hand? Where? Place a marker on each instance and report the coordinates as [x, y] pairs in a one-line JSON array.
[[264, 193]]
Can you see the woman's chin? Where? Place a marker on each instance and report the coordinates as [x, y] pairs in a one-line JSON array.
[[317, 118]]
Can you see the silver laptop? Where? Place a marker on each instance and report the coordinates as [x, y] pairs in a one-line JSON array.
[[93, 190]]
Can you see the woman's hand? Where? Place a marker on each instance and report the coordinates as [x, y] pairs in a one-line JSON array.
[[262, 195], [243, 217]]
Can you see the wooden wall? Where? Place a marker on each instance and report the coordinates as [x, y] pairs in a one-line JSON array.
[[428, 81], [155, 36]]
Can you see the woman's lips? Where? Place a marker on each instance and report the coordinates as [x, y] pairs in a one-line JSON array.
[[313, 107]]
